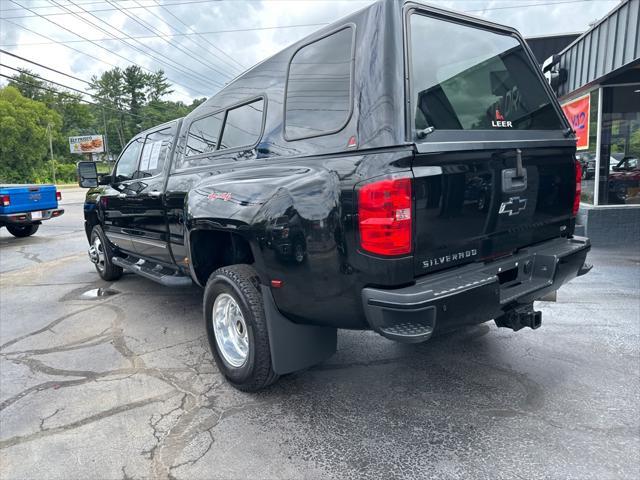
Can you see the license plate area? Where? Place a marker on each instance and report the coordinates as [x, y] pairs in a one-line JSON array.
[[507, 276], [527, 274], [36, 215]]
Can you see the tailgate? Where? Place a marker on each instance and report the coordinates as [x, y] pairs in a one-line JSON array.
[[27, 198], [473, 206]]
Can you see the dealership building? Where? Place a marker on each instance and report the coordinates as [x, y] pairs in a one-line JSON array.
[[597, 80]]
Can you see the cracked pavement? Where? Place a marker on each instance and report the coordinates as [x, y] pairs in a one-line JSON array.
[[123, 386]]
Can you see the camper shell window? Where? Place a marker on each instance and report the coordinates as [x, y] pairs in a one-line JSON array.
[[465, 77], [319, 83]]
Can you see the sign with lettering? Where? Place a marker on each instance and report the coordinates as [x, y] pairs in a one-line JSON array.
[[577, 112], [86, 144]]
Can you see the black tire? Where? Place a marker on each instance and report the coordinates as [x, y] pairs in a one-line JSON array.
[[21, 231], [105, 268], [242, 284]]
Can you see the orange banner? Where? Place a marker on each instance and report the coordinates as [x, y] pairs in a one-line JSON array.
[[577, 112]]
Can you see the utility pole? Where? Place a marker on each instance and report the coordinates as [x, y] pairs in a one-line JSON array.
[[106, 144], [53, 165]]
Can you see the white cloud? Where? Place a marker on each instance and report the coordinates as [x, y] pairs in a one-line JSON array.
[[189, 60]]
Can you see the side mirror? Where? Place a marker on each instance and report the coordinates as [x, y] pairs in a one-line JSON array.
[[104, 179], [87, 174]]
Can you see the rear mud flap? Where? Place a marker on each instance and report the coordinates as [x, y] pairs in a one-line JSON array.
[[294, 346]]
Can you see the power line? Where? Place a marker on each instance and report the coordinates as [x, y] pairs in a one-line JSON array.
[[176, 46], [543, 4], [43, 66], [179, 67], [180, 3], [80, 51], [234, 68], [97, 97], [52, 41], [144, 37], [94, 43], [65, 93], [48, 81], [169, 4], [189, 29]]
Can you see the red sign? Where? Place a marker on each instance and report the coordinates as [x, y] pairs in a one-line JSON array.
[[577, 112]]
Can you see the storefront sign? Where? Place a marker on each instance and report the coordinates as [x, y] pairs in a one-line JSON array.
[[577, 112], [86, 144]]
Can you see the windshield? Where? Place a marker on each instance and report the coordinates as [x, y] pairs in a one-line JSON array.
[[467, 78]]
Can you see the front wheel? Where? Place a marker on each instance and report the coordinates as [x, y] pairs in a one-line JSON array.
[[100, 254], [21, 231], [237, 328]]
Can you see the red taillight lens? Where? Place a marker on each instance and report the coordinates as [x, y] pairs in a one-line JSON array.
[[58, 196], [384, 216], [576, 198], [5, 200]]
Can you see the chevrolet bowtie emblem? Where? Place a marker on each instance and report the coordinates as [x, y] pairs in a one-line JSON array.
[[513, 206]]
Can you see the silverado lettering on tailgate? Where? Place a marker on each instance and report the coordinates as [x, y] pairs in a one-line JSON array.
[[451, 257]]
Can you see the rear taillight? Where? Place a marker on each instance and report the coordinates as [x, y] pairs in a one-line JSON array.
[[576, 198], [384, 216], [58, 196], [5, 200]]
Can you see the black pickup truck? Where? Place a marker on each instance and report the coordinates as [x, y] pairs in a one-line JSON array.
[[406, 170]]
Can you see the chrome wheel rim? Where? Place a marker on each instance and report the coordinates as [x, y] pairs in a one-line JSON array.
[[98, 251], [230, 330]]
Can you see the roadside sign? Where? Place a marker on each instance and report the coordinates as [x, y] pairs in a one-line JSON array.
[[86, 144], [577, 112]]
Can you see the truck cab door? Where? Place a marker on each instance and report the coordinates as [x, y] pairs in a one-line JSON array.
[[148, 227], [115, 201]]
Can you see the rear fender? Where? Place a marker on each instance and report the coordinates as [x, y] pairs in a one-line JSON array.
[[280, 211]]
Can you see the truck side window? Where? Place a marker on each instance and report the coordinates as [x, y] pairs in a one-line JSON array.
[[243, 125], [128, 161], [155, 151], [203, 135], [318, 96]]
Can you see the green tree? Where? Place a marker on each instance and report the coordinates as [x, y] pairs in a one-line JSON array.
[[135, 85], [28, 85], [157, 86], [110, 94], [77, 116], [23, 130], [634, 142], [128, 101]]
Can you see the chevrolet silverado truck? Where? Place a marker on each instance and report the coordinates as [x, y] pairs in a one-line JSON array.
[[24, 207], [405, 170]]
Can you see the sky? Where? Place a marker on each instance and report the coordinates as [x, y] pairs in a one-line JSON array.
[[202, 44]]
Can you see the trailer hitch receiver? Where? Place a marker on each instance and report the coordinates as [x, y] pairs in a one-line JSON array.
[[520, 317]]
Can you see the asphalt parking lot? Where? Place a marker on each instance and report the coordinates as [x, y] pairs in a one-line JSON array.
[[122, 385]]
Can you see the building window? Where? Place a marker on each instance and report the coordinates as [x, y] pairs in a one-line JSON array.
[[318, 96], [243, 125], [620, 146], [587, 153]]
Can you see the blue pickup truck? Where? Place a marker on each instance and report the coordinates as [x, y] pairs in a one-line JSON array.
[[24, 207]]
